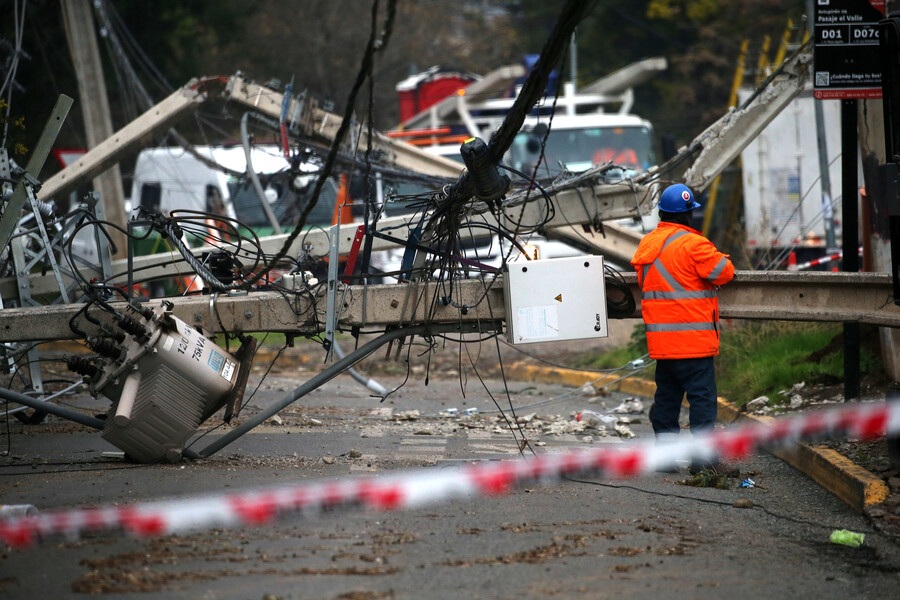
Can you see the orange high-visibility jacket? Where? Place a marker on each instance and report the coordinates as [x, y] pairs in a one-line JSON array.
[[678, 270]]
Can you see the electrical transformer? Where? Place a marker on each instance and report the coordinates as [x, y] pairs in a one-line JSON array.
[[164, 378]]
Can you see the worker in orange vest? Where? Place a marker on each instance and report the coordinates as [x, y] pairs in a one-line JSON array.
[[678, 271]]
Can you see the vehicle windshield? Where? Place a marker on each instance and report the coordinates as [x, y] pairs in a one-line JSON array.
[[580, 149], [286, 204]]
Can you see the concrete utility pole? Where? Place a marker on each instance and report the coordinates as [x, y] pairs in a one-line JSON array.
[[81, 35], [873, 153]]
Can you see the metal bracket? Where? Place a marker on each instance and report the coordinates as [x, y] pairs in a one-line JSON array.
[[10, 216], [330, 312]]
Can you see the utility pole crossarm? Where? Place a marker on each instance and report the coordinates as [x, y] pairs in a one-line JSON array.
[[627, 77], [111, 150], [725, 139], [316, 122]]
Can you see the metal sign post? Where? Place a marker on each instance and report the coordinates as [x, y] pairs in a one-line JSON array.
[[847, 66], [850, 235]]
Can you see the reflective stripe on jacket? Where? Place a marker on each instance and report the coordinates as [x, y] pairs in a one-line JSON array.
[[678, 270]]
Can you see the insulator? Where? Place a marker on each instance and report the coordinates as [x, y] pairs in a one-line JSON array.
[[82, 365], [45, 209], [144, 311], [131, 325], [105, 347]]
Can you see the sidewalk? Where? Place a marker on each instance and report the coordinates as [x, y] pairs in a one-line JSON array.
[[851, 483]]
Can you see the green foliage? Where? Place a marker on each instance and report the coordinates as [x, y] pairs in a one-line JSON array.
[[696, 10], [15, 128], [270, 340], [763, 358], [320, 42]]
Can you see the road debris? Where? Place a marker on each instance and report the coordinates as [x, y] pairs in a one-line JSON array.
[[590, 391], [757, 404], [595, 420], [526, 418], [17, 510], [847, 538], [562, 426], [710, 478], [406, 415], [624, 432], [629, 406]]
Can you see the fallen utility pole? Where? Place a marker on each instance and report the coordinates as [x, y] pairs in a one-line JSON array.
[[582, 199], [317, 123], [754, 295], [114, 148]]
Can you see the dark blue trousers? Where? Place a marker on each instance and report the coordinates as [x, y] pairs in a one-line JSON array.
[[695, 377]]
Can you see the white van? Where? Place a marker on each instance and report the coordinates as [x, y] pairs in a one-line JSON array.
[[171, 178]]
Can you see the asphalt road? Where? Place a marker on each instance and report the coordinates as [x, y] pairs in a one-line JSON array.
[[647, 537]]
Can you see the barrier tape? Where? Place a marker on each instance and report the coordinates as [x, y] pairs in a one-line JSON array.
[[818, 261], [412, 489]]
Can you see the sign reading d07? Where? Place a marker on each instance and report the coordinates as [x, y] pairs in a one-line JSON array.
[[846, 57]]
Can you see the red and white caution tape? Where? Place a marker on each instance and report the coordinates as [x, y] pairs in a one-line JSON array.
[[818, 261], [411, 489]]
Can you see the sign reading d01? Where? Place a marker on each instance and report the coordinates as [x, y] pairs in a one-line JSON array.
[[846, 57]]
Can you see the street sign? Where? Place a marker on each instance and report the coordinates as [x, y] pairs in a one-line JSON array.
[[846, 57], [66, 156]]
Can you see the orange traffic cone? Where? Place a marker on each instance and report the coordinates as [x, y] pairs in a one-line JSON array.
[[792, 261]]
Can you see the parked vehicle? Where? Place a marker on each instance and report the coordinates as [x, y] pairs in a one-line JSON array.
[[587, 127]]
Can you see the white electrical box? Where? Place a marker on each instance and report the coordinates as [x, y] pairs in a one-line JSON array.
[[555, 300]]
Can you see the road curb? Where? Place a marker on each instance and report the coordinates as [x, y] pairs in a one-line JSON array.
[[836, 473], [851, 483]]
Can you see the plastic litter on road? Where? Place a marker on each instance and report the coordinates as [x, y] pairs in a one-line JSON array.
[[847, 538]]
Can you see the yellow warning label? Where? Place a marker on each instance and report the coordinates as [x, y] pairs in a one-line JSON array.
[[558, 298]]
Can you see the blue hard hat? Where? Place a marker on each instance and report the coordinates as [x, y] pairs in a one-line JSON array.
[[677, 198]]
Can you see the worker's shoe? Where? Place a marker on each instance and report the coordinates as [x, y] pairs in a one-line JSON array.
[[718, 468]]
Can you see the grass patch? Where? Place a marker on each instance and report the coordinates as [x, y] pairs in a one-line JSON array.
[[759, 359], [763, 358]]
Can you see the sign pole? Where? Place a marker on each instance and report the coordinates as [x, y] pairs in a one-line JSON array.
[[847, 61], [850, 235]]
